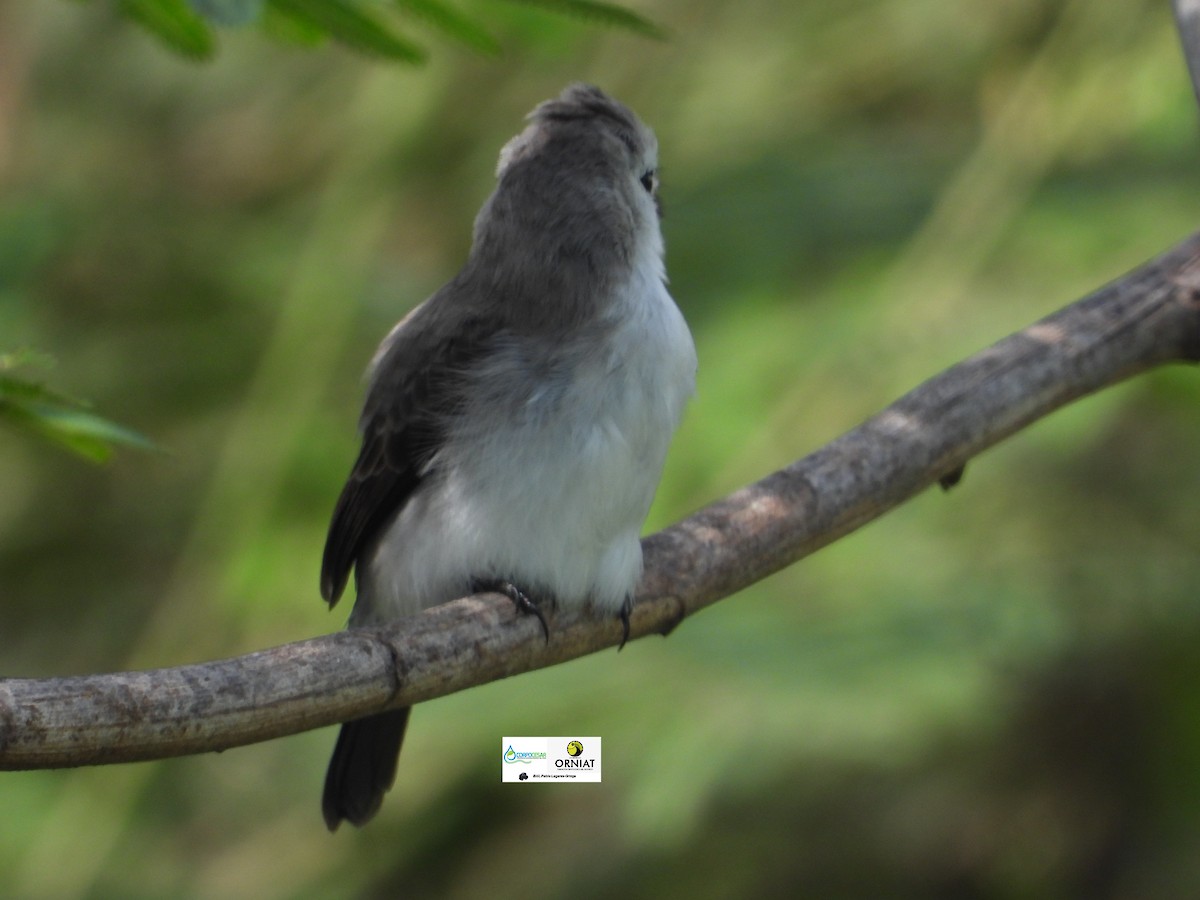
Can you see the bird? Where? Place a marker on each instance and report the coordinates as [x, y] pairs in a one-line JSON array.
[[516, 423]]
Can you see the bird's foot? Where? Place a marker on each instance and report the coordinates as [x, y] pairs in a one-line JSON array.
[[626, 609], [521, 600]]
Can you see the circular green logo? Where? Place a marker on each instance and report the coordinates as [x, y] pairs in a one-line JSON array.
[[574, 748]]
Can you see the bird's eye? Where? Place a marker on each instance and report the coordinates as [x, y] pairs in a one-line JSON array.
[[650, 182]]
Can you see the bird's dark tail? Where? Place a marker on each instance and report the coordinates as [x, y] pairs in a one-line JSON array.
[[363, 767]]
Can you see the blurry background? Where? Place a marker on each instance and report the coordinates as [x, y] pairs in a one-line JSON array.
[[992, 693]]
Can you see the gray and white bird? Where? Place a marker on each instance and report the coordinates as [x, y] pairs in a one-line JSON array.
[[516, 422]]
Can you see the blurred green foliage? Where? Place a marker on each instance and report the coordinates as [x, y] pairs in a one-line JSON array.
[[366, 26], [989, 693]]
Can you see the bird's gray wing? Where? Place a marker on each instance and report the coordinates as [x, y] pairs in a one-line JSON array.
[[415, 387]]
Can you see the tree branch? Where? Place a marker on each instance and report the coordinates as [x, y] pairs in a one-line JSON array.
[[1149, 317]]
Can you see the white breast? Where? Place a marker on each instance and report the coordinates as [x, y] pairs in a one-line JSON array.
[[551, 494]]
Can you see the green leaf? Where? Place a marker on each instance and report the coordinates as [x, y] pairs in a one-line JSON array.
[[288, 29], [452, 23], [19, 390], [174, 24], [25, 356], [63, 420], [602, 14], [184, 25], [77, 430], [353, 26]]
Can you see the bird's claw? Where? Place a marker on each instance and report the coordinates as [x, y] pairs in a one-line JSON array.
[[522, 601], [626, 609]]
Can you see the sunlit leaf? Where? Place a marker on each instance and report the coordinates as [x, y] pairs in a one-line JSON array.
[[64, 420], [363, 25], [16, 389], [453, 24], [601, 13], [19, 391], [25, 356], [79, 431], [289, 29], [173, 22], [353, 26]]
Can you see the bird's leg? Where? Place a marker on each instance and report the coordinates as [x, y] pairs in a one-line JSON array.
[[522, 601], [626, 609]]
